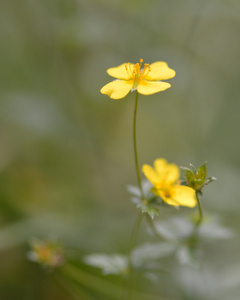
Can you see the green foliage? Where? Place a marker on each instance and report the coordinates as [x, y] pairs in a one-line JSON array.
[[196, 178], [150, 204]]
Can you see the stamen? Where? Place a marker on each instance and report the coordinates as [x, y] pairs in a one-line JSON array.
[[128, 69], [136, 69], [138, 74], [146, 70]]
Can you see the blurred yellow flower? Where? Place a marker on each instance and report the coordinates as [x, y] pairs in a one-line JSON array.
[[47, 253], [165, 179], [131, 77]]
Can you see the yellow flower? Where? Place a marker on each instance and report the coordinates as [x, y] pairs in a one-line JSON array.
[[47, 253], [131, 77], [165, 179]]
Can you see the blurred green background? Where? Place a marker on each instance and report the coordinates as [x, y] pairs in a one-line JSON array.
[[66, 151]]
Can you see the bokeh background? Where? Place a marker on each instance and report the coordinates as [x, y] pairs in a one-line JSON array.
[[66, 152]]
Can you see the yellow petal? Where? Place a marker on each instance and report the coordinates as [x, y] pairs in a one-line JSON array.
[[151, 174], [160, 165], [183, 195], [166, 199], [160, 71], [120, 72], [169, 173], [117, 89], [172, 173], [151, 87]]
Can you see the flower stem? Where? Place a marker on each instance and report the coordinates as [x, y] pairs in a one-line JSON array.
[[135, 145], [139, 218], [200, 210], [193, 239], [129, 256], [134, 237]]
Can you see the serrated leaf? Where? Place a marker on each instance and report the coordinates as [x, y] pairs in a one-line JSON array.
[[188, 174], [194, 169], [152, 211], [202, 172], [210, 179], [143, 208]]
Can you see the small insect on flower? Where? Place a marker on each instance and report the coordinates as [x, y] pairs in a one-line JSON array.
[[130, 77], [166, 184]]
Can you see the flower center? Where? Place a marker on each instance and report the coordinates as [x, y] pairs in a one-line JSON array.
[[166, 190], [136, 73]]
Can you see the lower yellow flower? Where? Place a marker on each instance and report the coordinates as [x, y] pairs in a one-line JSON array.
[[165, 179], [145, 80], [47, 253]]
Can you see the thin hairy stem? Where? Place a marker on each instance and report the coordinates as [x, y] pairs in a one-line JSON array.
[[135, 145], [193, 238], [139, 218], [134, 237], [129, 256], [200, 211]]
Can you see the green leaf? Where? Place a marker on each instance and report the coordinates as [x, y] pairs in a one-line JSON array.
[[153, 211], [210, 179], [202, 172], [194, 169], [188, 174], [143, 208]]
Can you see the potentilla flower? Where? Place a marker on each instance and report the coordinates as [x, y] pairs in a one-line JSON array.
[[145, 80], [166, 184], [47, 253]]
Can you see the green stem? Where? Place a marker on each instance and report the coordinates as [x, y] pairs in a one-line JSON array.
[[193, 239], [135, 145], [139, 218], [134, 238], [128, 282], [200, 210]]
